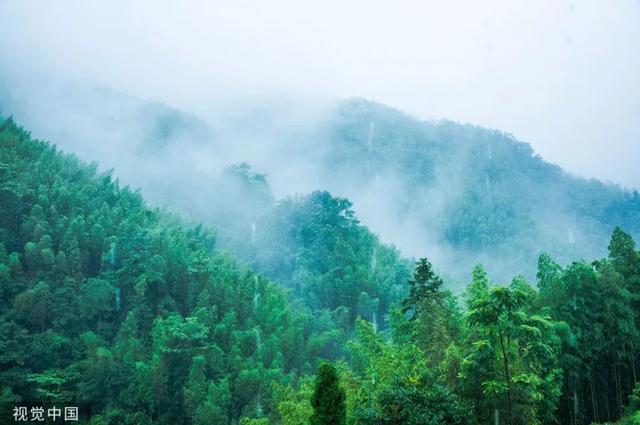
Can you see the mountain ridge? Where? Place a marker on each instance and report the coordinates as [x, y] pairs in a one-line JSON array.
[[430, 187]]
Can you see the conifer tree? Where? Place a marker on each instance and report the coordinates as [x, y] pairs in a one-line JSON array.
[[328, 398], [424, 288]]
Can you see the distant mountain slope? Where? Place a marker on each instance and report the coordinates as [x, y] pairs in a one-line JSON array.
[[145, 142], [442, 187], [125, 122]]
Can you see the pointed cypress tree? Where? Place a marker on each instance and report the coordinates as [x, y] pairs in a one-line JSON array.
[[328, 398], [625, 258], [423, 288]]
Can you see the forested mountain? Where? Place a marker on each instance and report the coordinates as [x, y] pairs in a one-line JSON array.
[[116, 307], [450, 189], [312, 244], [139, 318], [459, 193]]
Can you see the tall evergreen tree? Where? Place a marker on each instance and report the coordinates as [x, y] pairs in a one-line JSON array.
[[328, 398], [424, 289]]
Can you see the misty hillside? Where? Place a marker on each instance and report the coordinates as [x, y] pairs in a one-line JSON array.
[[440, 187], [342, 213], [138, 318], [124, 310], [459, 194]]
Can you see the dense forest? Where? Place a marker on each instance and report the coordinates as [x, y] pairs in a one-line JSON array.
[[139, 317], [475, 194]]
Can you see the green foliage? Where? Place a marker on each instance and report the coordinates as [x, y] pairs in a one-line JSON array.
[[598, 304], [120, 307], [294, 406], [479, 191], [315, 246], [328, 400], [511, 354], [391, 383], [423, 289], [632, 411], [113, 305]]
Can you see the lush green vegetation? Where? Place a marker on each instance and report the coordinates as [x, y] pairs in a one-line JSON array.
[[480, 193], [111, 304], [459, 194], [123, 309], [313, 245]]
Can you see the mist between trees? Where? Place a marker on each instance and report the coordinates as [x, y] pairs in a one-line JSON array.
[[127, 309]]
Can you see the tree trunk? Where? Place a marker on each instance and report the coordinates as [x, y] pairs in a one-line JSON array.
[[633, 369], [507, 377], [593, 400], [619, 391]]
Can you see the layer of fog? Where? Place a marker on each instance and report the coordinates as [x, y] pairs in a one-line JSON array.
[[182, 171], [561, 75], [253, 83], [178, 159]]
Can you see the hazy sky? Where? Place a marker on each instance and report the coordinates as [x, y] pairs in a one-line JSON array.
[[563, 76]]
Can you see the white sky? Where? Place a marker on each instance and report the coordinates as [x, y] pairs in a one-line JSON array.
[[562, 76]]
